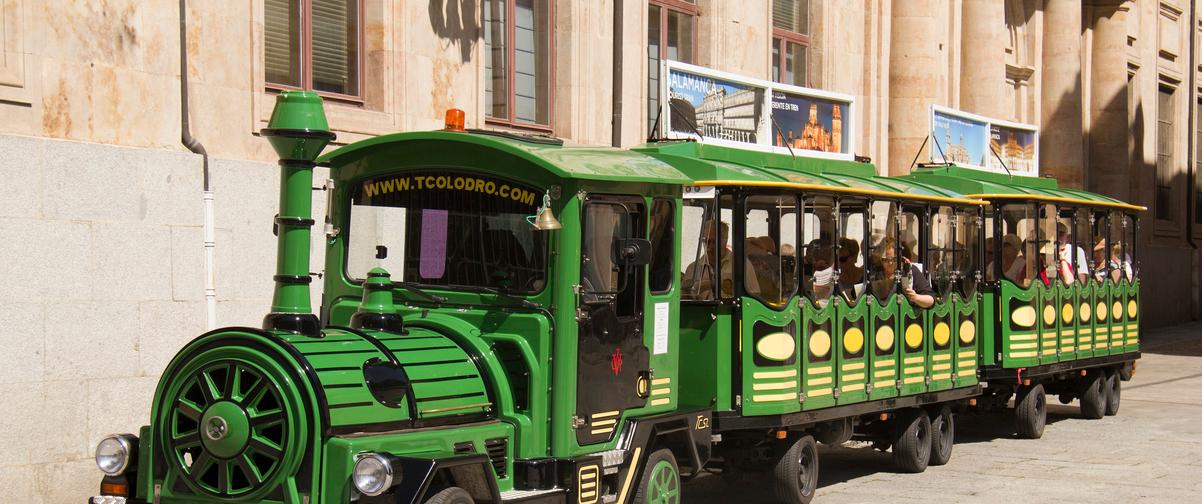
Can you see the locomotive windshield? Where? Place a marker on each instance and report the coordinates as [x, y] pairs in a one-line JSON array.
[[447, 229]]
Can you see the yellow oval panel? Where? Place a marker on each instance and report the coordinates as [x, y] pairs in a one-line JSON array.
[[884, 338], [1049, 315], [968, 331], [776, 346], [942, 333], [853, 340], [820, 343], [1101, 312], [1024, 316], [1066, 313], [1117, 311], [1085, 312], [1132, 309], [914, 336]]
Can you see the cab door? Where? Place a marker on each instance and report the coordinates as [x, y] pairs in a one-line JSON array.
[[612, 373]]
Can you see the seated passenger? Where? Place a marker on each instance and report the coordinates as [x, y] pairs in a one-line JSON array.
[[698, 278], [851, 276], [1072, 258], [765, 266], [1120, 265], [1100, 265], [1014, 266], [820, 271], [915, 285]]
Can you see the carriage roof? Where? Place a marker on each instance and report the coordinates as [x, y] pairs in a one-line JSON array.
[[1000, 186]]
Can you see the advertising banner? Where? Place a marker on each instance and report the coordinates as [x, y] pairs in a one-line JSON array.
[[728, 109], [980, 142]]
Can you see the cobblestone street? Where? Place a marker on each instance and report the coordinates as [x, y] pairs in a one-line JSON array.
[[1150, 452]]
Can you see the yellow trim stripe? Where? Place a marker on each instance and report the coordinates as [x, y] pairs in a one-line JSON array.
[[1067, 334], [1049, 352], [630, 475], [819, 393], [1059, 199], [819, 370], [837, 189], [1023, 345], [913, 360], [968, 354], [661, 391], [1087, 339], [818, 381], [661, 381], [914, 369], [854, 388], [853, 366], [605, 414], [853, 377], [883, 374], [1049, 343], [606, 430], [1132, 326], [941, 357], [916, 379], [883, 363], [1086, 331], [1023, 337], [1070, 348], [1023, 354], [605, 423], [661, 401], [766, 375], [942, 376], [775, 386], [773, 397], [940, 367]]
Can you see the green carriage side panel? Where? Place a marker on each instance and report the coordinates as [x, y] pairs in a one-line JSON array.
[[967, 325], [914, 335], [768, 355], [1049, 324], [1101, 315], [941, 345], [1132, 310], [1066, 315], [885, 362], [853, 352], [705, 338], [1118, 317], [1019, 326], [989, 328], [1085, 319], [819, 355]]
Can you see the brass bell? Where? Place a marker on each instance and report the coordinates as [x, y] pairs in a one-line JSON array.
[[545, 220]]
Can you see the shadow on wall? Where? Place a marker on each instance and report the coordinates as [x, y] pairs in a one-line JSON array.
[[456, 21]]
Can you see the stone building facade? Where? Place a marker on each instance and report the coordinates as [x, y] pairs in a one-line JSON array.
[[104, 209]]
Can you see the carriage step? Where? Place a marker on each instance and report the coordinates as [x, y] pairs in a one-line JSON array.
[[555, 495]]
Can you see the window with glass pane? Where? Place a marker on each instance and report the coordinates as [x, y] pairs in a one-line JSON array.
[[1100, 258], [1131, 266], [323, 54], [1164, 154], [853, 279], [1082, 243], [698, 250], [941, 251], [818, 235], [1120, 259], [790, 41], [517, 61], [882, 263], [968, 250], [1018, 244], [663, 245], [671, 26], [770, 247]]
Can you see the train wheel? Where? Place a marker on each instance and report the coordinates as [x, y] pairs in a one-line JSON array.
[[451, 495], [1093, 395], [795, 476], [660, 483], [1114, 393], [943, 429], [912, 441], [1031, 411]]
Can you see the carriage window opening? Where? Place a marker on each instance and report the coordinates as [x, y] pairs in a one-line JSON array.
[[908, 233], [853, 279], [1046, 269], [883, 276], [1082, 232], [1071, 261], [663, 227], [447, 230], [698, 248], [771, 248], [1132, 267], [604, 276], [941, 251], [1101, 242], [1119, 258], [991, 247], [1018, 245], [968, 250], [818, 263]]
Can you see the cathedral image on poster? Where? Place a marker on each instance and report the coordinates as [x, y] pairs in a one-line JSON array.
[[958, 140], [808, 123], [1014, 146]]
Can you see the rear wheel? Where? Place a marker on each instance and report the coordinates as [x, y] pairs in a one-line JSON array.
[[451, 495], [660, 483], [1093, 395], [912, 441], [795, 477], [1031, 411], [943, 434], [1114, 393]]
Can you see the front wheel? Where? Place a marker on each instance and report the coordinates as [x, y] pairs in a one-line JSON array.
[[1114, 393], [451, 495], [912, 441], [795, 477], [943, 428], [660, 483]]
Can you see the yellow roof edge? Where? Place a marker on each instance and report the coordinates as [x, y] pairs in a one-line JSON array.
[[1061, 199], [849, 190]]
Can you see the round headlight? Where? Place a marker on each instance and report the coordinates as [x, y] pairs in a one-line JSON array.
[[112, 455], [373, 474]]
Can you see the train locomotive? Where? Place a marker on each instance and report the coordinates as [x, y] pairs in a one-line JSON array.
[[508, 319]]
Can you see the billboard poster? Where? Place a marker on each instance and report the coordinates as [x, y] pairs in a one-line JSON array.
[[713, 107], [1015, 146], [733, 110], [809, 123], [980, 142]]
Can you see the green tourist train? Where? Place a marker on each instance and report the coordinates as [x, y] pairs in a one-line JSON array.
[[508, 319]]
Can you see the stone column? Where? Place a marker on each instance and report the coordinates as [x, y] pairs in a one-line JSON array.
[[1061, 143], [1110, 131], [982, 61], [914, 70]]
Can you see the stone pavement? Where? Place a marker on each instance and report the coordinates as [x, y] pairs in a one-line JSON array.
[[1150, 452]]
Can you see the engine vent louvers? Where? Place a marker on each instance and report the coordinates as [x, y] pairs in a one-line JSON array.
[[516, 370], [498, 452]]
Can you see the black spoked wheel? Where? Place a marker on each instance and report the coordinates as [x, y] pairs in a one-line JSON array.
[[943, 434], [795, 476], [1093, 395], [1031, 411], [451, 495], [912, 441], [1114, 393]]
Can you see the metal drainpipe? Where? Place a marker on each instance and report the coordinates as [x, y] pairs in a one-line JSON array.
[[616, 139], [196, 147], [1192, 173]]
